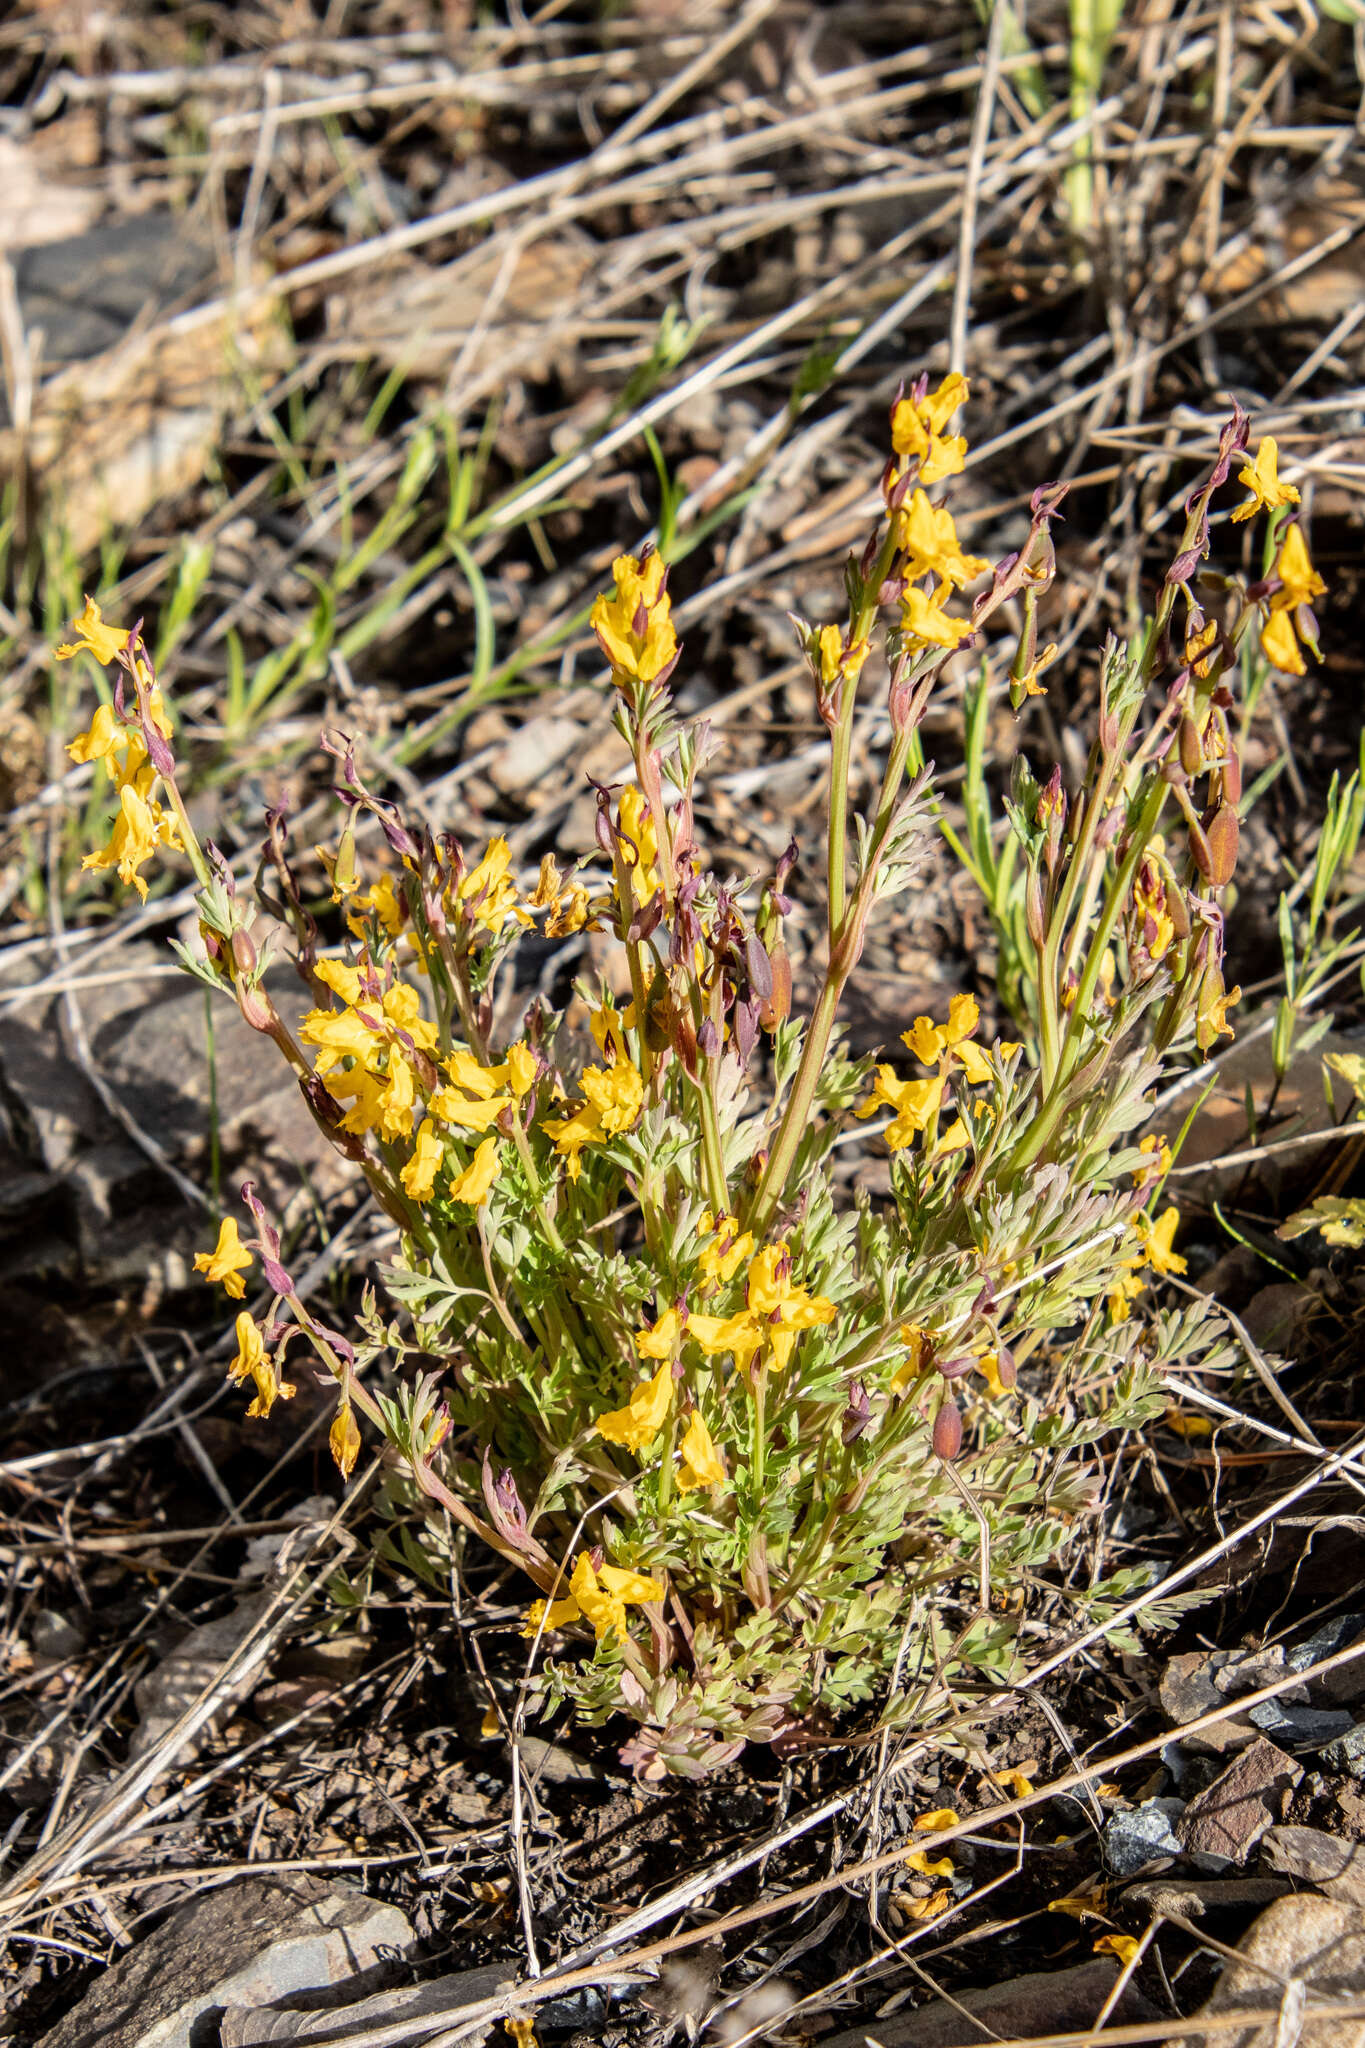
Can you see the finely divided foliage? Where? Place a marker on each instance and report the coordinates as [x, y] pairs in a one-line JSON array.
[[756, 1447]]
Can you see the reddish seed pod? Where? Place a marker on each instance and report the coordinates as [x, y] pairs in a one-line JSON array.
[[1199, 851], [1178, 911], [948, 1432], [1232, 775], [1222, 844], [1191, 751]]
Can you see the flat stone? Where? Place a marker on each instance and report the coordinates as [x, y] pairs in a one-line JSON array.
[[1335, 1866], [252, 2026], [1193, 1897], [1028, 2008], [1227, 1821], [1306, 1726], [1188, 1689], [1302, 1940], [251, 1943], [1347, 1682], [1134, 1839]]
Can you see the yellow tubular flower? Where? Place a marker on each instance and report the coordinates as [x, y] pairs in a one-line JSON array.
[[93, 636], [923, 618], [252, 1362], [634, 626], [916, 1362], [1300, 583], [343, 1440], [1158, 1239], [928, 535], [1215, 1000], [138, 829], [105, 739], [740, 1335], [917, 430], [722, 1258], [782, 1308], [660, 1340], [604, 1596], [915, 1103], [550, 1614], [228, 1260], [419, 1175], [1262, 479], [636, 826], [522, 1070], [701, 1462], [474, 1183], [614, 1098], [640, 1421], [490, 893]]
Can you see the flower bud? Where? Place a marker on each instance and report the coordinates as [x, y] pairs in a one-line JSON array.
[[1232, 774], [948, 1432], [1199, 850], [244, 957], [1033, 908]]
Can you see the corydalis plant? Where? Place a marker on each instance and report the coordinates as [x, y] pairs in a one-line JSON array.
[[754, 1445]]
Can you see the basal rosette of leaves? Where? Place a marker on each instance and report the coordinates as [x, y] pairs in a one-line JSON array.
[[756, 1446]]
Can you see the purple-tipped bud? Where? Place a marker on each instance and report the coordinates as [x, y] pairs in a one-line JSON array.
[[708, 1040], [858, 1413]]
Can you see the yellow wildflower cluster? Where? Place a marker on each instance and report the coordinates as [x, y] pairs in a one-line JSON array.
[[142, 823], [917, 430], [253, 1362], [612, 1099], [598, 1594], [916, 1104], [634, 626]]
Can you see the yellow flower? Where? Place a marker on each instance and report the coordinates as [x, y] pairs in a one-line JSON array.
[[105, 740], [784, 1308], [1156, 1153], [1262, 479], [1014, 1781], [634, 627], [614, 1097], [920, 1860], [139, 829], [1158, 1239], [1149, 901], [915, 1103], [916, 1362], [419, 1175], [601, 1598], [738, 1335], [1126, 1289], [923, 617], [522, 1069], [1124, 1946], [636, 825], [1300, 583], [381, 900], [228, 1260], [1215, 1000], [928, 535], [343, 1440], [988, 1365], [473, 1184], [834, 660], [722, 1258], [94, 637], [489, 891], [951, 1042], [701, 1461], [923, 1909], [917, 430], [640, 1421], [660, 1340], [935, 1821], [252, 1362]]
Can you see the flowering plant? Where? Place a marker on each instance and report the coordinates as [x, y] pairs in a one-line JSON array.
[[759, 1447]]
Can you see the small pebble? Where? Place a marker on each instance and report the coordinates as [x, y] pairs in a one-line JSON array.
[[1310, 1725], [1133, 1840]]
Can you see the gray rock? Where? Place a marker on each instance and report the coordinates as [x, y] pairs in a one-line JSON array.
[[1347, 1682], [1045, 2002], [1134, 1839], [1346, 1754], [1225, 1823], [1193, 1897], [252, 1943], [1309, 1726], [253, 2026], [1334, 1866], [1189, 1688], [1301, 1942]]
